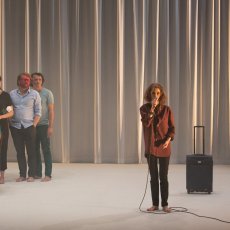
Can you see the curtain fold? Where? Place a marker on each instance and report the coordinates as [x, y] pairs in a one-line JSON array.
[[99, 56]]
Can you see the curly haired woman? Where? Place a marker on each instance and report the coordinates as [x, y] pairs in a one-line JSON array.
[[159, 131]]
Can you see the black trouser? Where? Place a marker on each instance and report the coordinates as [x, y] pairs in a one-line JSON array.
[[155, 175], [25, 138], [4, 146]]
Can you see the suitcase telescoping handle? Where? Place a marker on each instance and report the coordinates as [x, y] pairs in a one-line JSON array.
[[200, 127]]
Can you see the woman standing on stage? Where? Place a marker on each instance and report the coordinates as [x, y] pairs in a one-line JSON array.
[[6, 111], [159, 131]]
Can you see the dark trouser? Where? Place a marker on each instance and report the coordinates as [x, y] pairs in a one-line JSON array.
[[163, 171], [44, 141], [4, 146], [25, 138]]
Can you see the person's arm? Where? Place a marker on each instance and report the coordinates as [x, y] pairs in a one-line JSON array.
[[146, 116], [36, 120], [10, 113], [165, 145], [171, 126], [51, 119], [171, 130], [37, 110]]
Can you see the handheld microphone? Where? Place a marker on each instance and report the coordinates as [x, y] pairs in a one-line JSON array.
[[155, 101]]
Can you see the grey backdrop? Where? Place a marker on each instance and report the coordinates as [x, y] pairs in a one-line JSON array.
[[98, 56]]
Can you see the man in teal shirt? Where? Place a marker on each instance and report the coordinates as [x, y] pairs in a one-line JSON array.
[[44, 128]]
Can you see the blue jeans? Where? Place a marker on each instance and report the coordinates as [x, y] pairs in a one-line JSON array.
[[42, 141]]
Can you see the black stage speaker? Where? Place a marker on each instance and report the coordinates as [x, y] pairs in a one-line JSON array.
[[199, 170]]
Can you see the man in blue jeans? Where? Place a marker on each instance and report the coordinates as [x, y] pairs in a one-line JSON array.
[[44, 128], [27, 112]]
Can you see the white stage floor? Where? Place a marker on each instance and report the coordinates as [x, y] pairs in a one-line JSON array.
[[106, 197]]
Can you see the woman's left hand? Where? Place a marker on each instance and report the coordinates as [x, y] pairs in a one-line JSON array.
[[165, 145]]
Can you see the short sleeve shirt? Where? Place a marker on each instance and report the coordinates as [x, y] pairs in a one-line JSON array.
[[5, 101], [47, 98]]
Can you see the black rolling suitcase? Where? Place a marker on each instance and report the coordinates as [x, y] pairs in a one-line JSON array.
[[199, 169]]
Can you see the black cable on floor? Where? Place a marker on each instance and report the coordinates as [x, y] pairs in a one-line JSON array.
[[174, 209], [208, 217]]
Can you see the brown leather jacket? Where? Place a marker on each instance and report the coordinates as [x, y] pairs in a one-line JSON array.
[[155, 134]]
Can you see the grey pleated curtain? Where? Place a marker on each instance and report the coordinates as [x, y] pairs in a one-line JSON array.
[[98, 57]]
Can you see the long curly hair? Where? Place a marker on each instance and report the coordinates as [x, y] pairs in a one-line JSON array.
[[148, 96]]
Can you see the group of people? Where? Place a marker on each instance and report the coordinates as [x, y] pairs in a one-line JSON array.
[[28, 112], [30, 108]]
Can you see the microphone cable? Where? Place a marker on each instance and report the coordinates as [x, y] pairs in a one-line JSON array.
[[173, 209]]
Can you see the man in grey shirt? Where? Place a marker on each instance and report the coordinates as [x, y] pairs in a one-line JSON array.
[[44, 127], [27, 112]]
